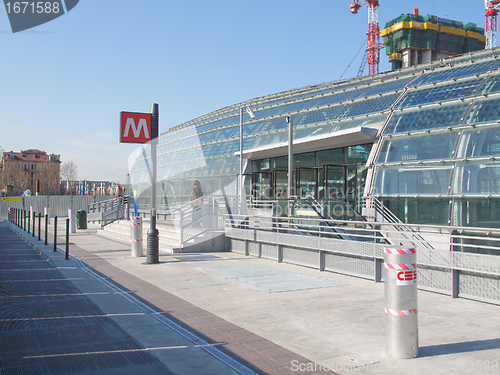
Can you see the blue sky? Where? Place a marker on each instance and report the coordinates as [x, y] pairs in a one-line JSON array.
[[64, 83]]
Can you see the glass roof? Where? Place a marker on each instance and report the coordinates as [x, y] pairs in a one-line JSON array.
[[463, 91]]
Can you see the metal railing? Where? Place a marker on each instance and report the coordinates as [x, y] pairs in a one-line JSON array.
[[108, 211], [206, 222], [464, 261], [375, 210]]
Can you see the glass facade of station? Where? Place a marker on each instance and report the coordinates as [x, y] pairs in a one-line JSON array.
[[435, 158]]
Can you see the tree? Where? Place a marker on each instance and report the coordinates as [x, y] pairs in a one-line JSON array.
[[69, 173]]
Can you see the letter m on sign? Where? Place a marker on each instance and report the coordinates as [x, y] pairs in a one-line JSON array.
[[135, 127]]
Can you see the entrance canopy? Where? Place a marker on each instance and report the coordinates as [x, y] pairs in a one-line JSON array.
[[346, 137]]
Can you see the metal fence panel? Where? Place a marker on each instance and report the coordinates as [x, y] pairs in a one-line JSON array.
[[237, 246], [269, 251], [474, 285], [351, 265], [302, 257], [58, 204]]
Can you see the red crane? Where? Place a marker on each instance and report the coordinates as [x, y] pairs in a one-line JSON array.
[[492, 7], [373, 44]]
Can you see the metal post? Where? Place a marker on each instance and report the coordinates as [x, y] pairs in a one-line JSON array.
[[24, 212], [39, 225], [136, 234], [33, 224], [181, 229], [241, 163], [243, 203], [46, 227], [67, 238], [55, 233], [401, 319], [153, 254], [290, 164], [29, 223]]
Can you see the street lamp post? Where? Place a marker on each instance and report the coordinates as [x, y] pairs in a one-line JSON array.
[[243, 205]]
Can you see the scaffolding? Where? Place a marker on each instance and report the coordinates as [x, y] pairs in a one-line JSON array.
[[411, 39]]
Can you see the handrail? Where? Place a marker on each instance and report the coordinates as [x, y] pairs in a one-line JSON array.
[[452, 232], [390, 217], [109, 210]]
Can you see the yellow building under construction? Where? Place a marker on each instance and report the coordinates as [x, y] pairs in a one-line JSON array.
[[411, 39]]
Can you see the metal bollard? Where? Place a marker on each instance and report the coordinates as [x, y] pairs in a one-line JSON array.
[[67, 238], [24, 213], [136, 235], [401, 319], [46, 227], [29, 222], [55, 233], [39, 225], [33, 234], [72, 220]]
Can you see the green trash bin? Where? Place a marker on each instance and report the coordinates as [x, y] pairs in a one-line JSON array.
[[81, 219]]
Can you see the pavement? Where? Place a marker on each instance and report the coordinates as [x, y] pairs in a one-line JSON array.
[[104, 311]]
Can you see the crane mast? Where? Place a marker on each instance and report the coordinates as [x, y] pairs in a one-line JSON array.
[[492, 7], [373, 44]]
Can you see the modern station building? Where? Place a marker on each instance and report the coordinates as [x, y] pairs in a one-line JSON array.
[[424, 140]]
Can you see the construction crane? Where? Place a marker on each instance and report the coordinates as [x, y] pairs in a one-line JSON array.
[[373, 44], [492, 8]]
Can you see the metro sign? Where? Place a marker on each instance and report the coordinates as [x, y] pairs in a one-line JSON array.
[[135, 127]]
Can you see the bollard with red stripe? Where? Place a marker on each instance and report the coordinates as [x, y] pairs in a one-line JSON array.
[[72, 220], [401, 318], [136, 235]]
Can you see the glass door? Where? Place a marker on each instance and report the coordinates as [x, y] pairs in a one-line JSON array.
[[280, 179], [334, 182], [352, 185], [307, 182], [262, 183]]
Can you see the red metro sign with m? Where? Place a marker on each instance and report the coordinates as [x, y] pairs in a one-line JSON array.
[[135, 127]]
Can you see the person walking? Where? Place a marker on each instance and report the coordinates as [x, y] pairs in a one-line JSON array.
[[197, 203]]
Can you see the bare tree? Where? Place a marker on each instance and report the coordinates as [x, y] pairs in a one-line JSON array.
[[69, 173]]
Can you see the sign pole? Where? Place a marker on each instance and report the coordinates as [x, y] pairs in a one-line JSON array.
[[152, 252], [144, 128]]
